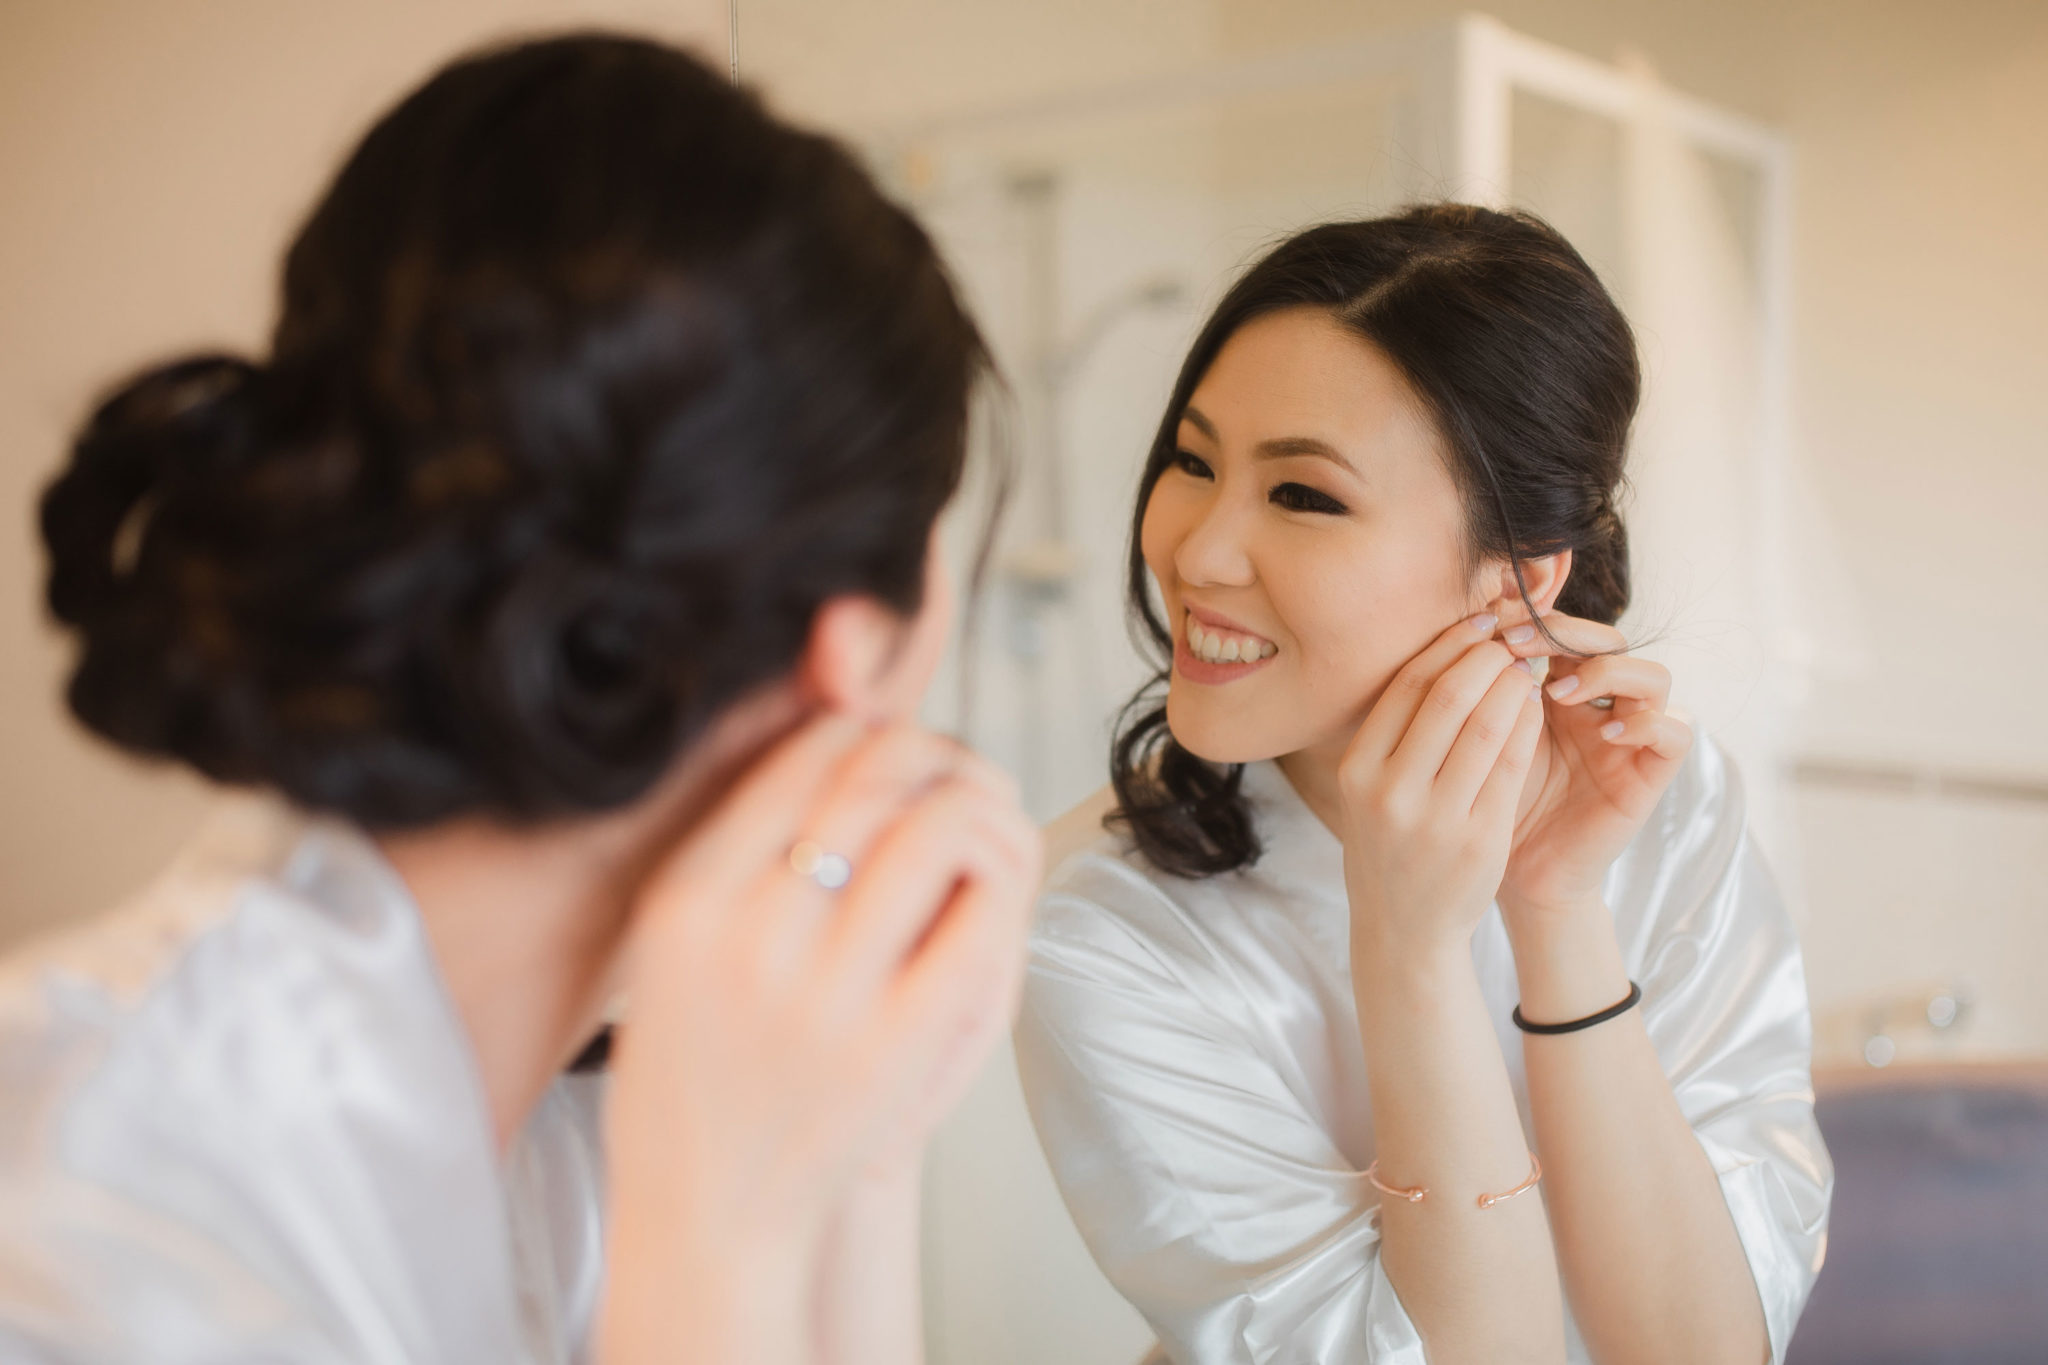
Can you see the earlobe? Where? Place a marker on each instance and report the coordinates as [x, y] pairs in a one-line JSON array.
[[851, 637], [864, 659]]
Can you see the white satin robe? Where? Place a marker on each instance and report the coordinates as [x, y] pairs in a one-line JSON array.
[[240, 1121], [1190, 1053]]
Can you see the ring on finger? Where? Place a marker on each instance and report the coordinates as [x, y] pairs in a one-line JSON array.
[[814, 862], [1602, 703]]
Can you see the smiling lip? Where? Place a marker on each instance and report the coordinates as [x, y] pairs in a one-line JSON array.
[[1195, 668], [1215, 622]]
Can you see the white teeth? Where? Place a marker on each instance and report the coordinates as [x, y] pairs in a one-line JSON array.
[[1217, 648]]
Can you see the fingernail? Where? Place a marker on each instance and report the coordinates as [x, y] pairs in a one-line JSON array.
[[1485, 622], [1565, 686], [1524, 665], [1612, 730], [1520, 635]]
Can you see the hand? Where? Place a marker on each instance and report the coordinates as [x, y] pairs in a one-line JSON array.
[[1593, 789], [1429, 787], [786, 1040]]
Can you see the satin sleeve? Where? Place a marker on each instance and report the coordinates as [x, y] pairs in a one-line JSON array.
[[1725, 1004], [1203, 1184]]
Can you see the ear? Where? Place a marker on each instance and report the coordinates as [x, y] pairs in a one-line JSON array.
[[1544, 578], [867, 660]]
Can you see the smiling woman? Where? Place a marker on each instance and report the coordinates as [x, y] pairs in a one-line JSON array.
[[1376, 915], [1449, 415]]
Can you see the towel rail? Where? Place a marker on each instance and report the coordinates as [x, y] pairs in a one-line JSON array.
[[1900, 780]]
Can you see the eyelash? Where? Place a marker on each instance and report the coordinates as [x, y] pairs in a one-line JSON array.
[[1294, 497]]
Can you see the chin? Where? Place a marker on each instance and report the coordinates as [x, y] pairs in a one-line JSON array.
[[1216, 738]]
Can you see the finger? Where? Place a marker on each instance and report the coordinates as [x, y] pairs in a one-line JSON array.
[[757, 820], [1402, 697], [990, 777], [1501, 792], [1635, 684], [875, 785], [1656, 732], [976, 950], [872, 788], [1566, 635], [1003, 813], [1479, 744], [915, 866], [1420, 755]]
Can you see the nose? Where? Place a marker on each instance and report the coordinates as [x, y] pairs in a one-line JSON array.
[[1213, 553]]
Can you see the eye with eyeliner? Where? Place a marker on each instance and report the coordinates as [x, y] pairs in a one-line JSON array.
[[1299, 497], [1292, 497]]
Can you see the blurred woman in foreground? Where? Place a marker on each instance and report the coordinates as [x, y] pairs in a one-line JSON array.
[[563, 584]]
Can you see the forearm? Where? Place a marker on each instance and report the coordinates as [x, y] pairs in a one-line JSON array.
[[1646, 1245], [869, 1306], [677, 1291], [707, 1260], [1479, 1284]]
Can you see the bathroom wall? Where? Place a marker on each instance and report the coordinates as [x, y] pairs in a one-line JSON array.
[[155, 157]]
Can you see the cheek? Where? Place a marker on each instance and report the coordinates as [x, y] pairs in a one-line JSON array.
[[1160, 532], [1360, 613]]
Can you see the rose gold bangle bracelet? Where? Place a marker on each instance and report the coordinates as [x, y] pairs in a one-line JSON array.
[[1486, 1201]]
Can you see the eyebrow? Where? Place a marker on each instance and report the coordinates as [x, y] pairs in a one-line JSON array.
[[1276, 447]]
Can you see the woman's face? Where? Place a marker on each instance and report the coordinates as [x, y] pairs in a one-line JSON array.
[[1308, 527]]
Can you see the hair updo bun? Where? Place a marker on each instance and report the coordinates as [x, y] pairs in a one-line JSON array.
[[591, 382], [1599, 586]]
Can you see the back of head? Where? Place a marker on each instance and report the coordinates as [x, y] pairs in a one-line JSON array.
[[591, 382]]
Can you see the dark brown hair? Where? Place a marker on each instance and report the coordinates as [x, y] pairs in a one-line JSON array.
[[592, 381], [1529, 372]]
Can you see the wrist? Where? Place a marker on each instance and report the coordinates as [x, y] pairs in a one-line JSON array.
[[868, 1305], [1569, 965], [889, 1184], [1408, 965], [681, 1293], [1553, 907], [1398, 988]]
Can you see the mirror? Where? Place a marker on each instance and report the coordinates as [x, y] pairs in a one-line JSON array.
[[1821, 220]]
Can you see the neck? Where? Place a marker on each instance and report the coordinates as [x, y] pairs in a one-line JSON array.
[[528, 925], [1312, 772]]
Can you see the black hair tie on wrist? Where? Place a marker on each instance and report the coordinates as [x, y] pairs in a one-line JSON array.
[[1635, 993]]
